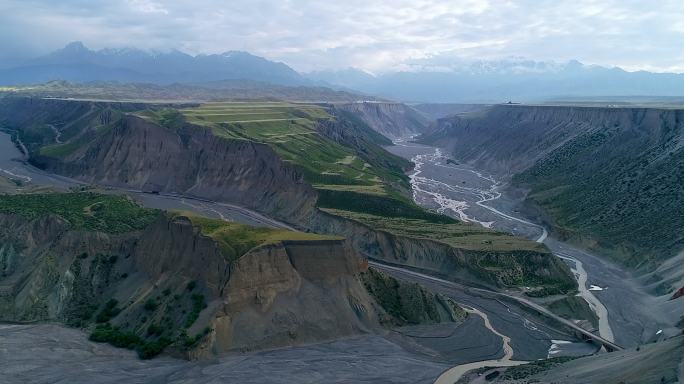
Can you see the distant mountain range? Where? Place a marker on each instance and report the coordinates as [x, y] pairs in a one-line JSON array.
[[507, 80], [76, 62], [461, 81]]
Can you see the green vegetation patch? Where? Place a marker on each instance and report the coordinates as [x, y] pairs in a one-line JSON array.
[[453, 233], [290, 129], [146, 349], [408, 303], [62, 150], [166, 117], [526, 370], [237, 239], [618, 188], [574, 307], [82, 210], [385, 206]]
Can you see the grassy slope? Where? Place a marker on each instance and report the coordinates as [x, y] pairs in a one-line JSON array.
[[83, 210], [331, 151], [454, 233], [617, 187], [409, 303], [343, 172], [236, 239], [289, 130]]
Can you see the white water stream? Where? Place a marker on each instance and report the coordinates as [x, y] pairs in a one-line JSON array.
[[425, 190]]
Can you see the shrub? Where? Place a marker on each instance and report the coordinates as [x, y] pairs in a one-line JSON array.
[[155, 330], [150, 349], [113, 335], [151, 305], [123, 339], [110, 310], [198, 304]]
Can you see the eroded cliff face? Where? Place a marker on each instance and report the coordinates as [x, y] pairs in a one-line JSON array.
[[605, 178], [477, 267], [294, 292], [392, 120], [138, 154], [170, 282], [509, 139]]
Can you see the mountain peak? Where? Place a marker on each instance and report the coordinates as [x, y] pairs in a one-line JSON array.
[[76, 62], [75, 46]]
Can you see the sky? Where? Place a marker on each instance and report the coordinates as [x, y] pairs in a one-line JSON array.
[[376, 36]]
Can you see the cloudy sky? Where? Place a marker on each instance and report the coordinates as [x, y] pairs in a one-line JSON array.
[[377, 36]]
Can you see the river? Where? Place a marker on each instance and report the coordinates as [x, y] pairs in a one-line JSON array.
[[625, 311]]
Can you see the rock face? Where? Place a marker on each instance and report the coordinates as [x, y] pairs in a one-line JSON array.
[[611, 178], [393, 120], [509, 139], [142, 155], [275, 295], [171, 282], [436, 258], [441, 110], [409, 303], [660, 362]]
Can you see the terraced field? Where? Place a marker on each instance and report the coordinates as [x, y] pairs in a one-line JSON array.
[[290, 130]]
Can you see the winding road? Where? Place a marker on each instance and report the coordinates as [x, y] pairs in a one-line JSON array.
[[13, 164], [534, 307], [480, 189]]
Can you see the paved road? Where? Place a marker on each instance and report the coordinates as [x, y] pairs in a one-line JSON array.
[[13, 164], [422, 278], [470, 194]]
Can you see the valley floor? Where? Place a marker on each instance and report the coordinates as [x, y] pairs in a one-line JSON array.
[[49, 353], [631, 316]]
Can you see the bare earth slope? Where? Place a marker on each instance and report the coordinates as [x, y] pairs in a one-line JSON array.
[[137, 154], [393, 120], [147, 280], [656, 363]]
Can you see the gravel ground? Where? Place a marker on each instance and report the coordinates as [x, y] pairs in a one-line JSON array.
[[52, 353]]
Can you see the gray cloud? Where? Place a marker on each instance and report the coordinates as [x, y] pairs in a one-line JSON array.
[[374, 35]]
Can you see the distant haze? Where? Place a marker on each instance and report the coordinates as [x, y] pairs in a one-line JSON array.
[[376, 36], [474, 81]]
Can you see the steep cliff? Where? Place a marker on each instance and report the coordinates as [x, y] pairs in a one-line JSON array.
[[149, 280], [392, 120], [135, 153], [606, 177], [440, 110], [497, 266], [214, 151]]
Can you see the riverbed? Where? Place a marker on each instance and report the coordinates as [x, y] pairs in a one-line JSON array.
[[45, 353], [627, 314]]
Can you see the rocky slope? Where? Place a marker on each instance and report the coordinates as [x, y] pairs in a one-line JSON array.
[[661, 362], [441, 110], [170, 155], [493, 268], [393, 120], [605, 177], [102, 145], [197, 285], [138, 154]]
